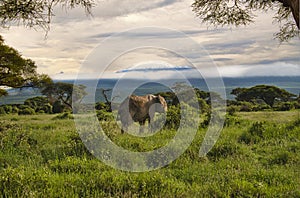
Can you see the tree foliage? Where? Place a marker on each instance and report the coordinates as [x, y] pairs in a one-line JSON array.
[[242, 12], [32, 13], [16, 71], [39, 104], [64, 92], [267, 93]]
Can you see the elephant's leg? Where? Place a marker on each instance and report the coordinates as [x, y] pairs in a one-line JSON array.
[[142, 125], [150, 120]]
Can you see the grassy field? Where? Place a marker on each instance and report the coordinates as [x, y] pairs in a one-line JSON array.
[[257, 155]]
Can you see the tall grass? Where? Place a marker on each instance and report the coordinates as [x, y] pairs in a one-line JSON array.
[[43, 156]]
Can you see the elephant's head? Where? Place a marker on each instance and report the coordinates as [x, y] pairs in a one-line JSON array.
[[160, 103]]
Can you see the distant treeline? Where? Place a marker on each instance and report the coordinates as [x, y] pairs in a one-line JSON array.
[[257, 98]]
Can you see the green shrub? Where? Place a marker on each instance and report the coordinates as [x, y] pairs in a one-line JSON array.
[[26, 111], [7, 108], [246, 106], [261, 107], [296, 104], [103, 115], [39, 104], [46, 108], [101, 106], [2, 111], [15, 109], [232, 110], [36, 101], [231, 121], [204, 107], [173, 117], [284, 106]]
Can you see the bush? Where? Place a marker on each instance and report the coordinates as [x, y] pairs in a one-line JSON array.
[[231, 121], [27, 111], [46, 108], [297, 104], [7, 108], [103, 115], [36, 102], [2, 111], [39, 104], [15, 109], [232, 110], [204, 107], [173, 117], [284, 106], [246, 106], [101, 106], [261, 107]]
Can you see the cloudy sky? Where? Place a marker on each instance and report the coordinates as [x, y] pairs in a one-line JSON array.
[[134, 36]]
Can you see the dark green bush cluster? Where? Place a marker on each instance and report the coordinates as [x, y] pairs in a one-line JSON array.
[[8, 109], [102, 106], [246, 106], [26, 110], [258, 105], [103, 115], [286, 106], [31, 106], [39, 104], [34, 105]]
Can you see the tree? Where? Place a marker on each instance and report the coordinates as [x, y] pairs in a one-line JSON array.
[[267, 93], [16, 71], [39, 104], [241, 12], [32, 13], [64, 92], [107, 102]]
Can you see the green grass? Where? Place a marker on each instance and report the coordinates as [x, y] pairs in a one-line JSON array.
[[257, 155], [271, 116]]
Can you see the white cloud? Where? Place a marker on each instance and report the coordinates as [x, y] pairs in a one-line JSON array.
[[274, 69], [73, 37]]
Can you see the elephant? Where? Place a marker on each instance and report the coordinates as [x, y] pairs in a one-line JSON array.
[[138, 109]]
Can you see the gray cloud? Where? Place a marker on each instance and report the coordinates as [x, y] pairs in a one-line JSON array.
[[156, 69], [114, 8], [145, 34]]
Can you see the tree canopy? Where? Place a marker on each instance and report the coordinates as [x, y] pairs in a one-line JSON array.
[[32, 13], [242, 12], [267, 93], [16, 71], [64, 92]]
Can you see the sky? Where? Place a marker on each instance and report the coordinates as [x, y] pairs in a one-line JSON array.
[[153, 38]]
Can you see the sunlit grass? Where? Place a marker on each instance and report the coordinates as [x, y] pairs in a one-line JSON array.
[[257, 155]]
